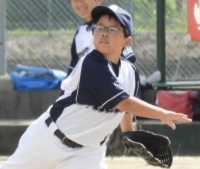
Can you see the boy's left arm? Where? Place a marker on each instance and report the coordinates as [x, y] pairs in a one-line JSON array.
[[127, 123], [116, 145]]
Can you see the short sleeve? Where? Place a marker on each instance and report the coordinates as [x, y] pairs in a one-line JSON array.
[[99, 86], [128, 54]]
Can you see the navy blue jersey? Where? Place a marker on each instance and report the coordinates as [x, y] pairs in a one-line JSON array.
[[91, 93]]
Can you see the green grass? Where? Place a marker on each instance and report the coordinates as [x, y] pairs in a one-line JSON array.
[[38, 32], [137, 29]]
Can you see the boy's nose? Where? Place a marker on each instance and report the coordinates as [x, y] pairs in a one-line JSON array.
[[105, 32]]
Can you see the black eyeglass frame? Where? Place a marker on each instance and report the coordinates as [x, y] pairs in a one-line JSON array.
[[124, 30]]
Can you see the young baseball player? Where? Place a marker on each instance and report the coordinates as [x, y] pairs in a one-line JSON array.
[[83, 44], [73, 132], [83, 40]]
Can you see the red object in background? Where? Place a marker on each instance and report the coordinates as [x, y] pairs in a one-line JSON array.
[[194, 19], [180, 102]]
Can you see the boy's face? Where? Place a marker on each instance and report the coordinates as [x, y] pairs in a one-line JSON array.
[[109, 43], [83, 8]]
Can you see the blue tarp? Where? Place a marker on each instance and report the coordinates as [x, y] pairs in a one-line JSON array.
[[36, 78]]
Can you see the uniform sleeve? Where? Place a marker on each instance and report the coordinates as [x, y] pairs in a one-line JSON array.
[[99, 87], [128, 54]]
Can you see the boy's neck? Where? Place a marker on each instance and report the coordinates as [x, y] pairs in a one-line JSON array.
[[88, 21], [113, 58]]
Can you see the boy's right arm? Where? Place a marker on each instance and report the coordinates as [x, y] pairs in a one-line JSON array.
[[138, 107]]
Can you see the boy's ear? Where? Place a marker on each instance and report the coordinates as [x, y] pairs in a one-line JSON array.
[[127, 41]]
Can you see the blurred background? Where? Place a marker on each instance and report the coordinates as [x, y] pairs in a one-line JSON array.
[[40, 33]]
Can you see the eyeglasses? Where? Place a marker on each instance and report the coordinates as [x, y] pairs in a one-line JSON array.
[[110, 29]]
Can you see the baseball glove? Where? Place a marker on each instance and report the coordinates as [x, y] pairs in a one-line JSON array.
[[115, 145], [155, 149]]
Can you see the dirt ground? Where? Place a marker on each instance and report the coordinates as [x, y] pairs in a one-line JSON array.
[[138, 163]]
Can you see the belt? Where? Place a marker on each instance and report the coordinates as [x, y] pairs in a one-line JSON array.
[[62, 137]]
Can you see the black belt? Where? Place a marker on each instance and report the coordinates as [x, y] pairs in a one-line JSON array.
[[62, 137]]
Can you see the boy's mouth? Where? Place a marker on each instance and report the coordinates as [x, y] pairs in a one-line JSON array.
[[103, 41], [82, 9]]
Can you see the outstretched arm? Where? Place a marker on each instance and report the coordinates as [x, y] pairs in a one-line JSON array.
[[140, 108]]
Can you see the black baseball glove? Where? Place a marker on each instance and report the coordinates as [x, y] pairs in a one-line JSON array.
[[155, 149]]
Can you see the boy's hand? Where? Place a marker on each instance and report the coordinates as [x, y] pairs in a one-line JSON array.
[[169, 117]]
